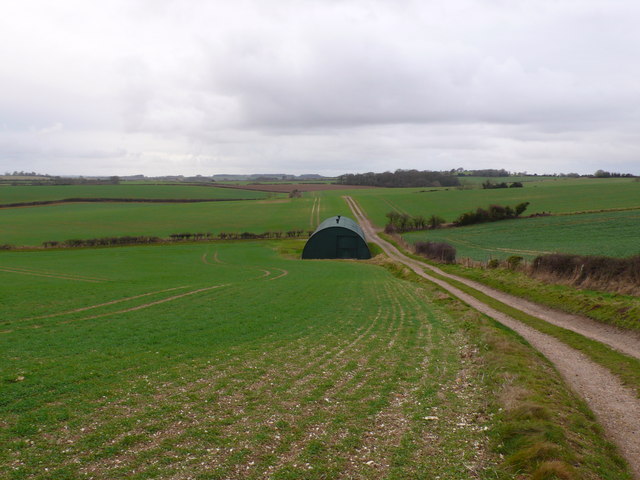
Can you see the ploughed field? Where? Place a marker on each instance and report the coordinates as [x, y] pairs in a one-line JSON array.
[[231, 361]]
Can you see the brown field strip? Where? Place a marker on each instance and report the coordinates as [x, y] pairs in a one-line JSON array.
[[288, 187]]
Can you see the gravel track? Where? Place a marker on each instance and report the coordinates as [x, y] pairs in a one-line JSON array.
[[616, 406]]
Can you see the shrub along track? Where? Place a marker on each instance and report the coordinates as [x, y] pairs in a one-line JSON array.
[[616, 406]]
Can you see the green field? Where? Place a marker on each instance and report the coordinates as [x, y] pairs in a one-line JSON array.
[[230, 375], [18, 194], [555, 196], [34, 225], [231, 361], [614, 234]]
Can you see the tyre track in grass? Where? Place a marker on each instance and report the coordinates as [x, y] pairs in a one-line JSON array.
[[198, 393], [59, 276], [314, 217], [616, 406], [235, 401], [283, 274], [300, 400], [265, 272], [234, 414], [146, 305], [231, 402], [99, 305], [385, 431], [228, 409], [83, 309], [368, 379], [332, 399], [393, 206], [216, 260], [71, 275]]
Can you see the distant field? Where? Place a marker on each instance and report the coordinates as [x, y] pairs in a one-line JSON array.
[[34, 225], [288, 187], [614, 234], [228, 361], [15, 194], [477, 181], [555, 196]]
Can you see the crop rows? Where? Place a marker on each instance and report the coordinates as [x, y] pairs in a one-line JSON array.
[[374, 383]]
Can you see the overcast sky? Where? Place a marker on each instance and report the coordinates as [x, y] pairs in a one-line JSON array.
[[318, 86]]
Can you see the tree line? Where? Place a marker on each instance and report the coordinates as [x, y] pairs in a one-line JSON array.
[[401, 178]]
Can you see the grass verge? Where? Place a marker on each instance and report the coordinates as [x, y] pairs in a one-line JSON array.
[[540, 430], [610, 308], [625, 367]]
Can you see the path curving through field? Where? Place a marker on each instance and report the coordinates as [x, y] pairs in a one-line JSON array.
[[616, 406], [146, 305], [283, 273], [60, 276]]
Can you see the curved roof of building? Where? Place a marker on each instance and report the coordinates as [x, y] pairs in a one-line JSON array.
[[341, 221]]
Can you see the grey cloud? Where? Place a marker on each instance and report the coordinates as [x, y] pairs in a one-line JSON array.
[[186, 86]]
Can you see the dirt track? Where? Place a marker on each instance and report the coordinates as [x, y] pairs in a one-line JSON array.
[[624, 341], [616, 406]]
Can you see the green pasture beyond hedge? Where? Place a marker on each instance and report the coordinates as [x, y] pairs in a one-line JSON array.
[[552, 195], [614, 234]]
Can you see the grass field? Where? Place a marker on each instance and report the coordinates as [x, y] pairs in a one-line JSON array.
[[34, 225], [612, 234], [230, 361], [17, 194], [555, 196]]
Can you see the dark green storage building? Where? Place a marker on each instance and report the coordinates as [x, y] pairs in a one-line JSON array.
[[337, 237]]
